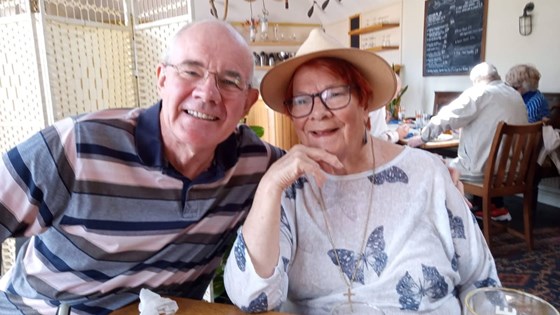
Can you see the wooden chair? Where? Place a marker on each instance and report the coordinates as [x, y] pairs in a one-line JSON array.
[[510, 170], [442, 98]]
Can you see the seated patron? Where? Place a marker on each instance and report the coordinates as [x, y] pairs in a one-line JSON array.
[[125, 199], [477, 112], [525, 80], [378, 123], [345, 220], [380, 129]]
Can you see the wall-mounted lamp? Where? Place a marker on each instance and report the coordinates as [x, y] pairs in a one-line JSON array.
[[526, 20]]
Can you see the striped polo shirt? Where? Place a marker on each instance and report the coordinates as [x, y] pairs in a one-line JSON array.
[[108, 215]]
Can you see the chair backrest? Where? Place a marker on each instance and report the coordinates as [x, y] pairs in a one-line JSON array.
[[512, 162], [553, 99], [442, 98]]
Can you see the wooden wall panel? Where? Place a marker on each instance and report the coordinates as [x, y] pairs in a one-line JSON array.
[[278, 128]]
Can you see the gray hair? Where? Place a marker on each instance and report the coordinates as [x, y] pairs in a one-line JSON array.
[[484, 73], [523, 77]]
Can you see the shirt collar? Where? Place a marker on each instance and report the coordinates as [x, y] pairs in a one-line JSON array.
[[150, 146]]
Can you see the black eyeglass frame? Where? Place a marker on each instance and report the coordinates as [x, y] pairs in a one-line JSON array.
[[218, 77], [289, 103]]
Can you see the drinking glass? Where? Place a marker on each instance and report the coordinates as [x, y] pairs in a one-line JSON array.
[[419, 121], [356, 308], [505, 301], [401, 114]]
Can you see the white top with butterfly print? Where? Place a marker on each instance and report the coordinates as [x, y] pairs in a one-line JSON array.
[[424, 248]]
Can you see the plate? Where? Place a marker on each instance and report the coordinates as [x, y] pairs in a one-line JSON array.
[[443, 137]]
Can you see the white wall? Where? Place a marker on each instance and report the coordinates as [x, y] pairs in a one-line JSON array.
[[504, 47], [390, 12]]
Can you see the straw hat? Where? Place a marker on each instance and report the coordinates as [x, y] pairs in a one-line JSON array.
[[377, 71]]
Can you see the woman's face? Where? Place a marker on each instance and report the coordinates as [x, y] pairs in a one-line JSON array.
[[340, 131]]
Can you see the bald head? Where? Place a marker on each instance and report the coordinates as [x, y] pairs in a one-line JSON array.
[[215, 32], [483, 73]]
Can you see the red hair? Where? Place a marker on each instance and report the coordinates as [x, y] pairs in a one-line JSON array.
[[341, 69]]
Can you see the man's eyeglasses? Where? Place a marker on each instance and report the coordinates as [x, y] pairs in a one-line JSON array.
[[333, 98], [230, 82]]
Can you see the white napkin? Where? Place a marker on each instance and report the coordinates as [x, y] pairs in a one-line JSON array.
[[551, 142], [153, 304]]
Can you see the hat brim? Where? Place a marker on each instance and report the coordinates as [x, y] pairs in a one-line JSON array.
[[375, 69]]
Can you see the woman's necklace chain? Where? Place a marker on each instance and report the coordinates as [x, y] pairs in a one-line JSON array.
[[349, 282]]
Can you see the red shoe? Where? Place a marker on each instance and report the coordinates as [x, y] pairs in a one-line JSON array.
[[496, 214]]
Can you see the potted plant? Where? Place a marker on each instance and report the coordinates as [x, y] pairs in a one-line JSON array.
[[394, 105]]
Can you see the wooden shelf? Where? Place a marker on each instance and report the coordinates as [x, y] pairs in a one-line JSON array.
[[381, 48], [285, 24], [276, 43], [373, 28]]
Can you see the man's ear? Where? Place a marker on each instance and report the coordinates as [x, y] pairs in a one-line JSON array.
[[160, 73], [252, 97]]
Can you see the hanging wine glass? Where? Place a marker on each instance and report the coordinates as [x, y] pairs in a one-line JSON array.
[[264, 19], [252, 27]]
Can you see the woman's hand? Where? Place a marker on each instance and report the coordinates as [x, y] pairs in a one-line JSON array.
[[298, 161], [403, 130]]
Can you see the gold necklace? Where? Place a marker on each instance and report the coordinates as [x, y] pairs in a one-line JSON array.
[[348, 282]]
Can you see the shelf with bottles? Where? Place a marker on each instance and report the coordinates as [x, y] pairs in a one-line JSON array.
[[258, 43], [275, 33], [381, 48], [373, 28]]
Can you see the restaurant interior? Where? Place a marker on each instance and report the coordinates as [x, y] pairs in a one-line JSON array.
[[48, 71]]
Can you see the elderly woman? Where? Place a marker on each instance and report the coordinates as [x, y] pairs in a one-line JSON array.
[[346, 221], [525, 79]]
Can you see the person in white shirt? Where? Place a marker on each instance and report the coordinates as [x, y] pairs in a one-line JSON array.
[[477, 111], [378, 123]]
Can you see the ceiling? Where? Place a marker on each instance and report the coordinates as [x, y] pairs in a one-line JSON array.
[[336, 10]]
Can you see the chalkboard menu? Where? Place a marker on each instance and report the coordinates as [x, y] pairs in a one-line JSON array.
[[454, 36]]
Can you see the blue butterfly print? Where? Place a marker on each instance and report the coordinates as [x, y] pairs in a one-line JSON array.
[[455, 262], [239, 252], [391, 175], [374, 256], [495, 297], [260, 304], [286, 261], [456, 225], [290, 192], [284, 223], [411, 293], [488, 282]]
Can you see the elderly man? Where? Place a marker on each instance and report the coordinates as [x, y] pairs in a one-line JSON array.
[[477, 111], [125, 199]]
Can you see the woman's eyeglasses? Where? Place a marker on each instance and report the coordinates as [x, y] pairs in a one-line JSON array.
[[333, 98]]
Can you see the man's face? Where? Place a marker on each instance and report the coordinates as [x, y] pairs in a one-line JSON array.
[[198, 111]]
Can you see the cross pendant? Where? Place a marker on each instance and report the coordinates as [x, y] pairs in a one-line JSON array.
[[349, 294]]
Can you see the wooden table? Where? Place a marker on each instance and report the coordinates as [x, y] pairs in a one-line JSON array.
[[194, 307], [453, 143], [444, 148]]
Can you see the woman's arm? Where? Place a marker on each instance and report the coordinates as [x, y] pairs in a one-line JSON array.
[[256, 271], [261, 229]]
